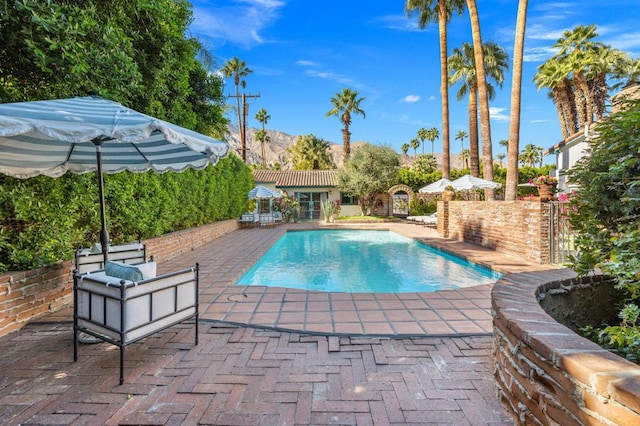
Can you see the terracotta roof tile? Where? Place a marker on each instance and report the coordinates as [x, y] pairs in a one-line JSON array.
[[297, 178]]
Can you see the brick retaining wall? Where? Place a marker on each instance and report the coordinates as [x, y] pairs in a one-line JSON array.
[[27, 295], [519, 228], [545, 373]]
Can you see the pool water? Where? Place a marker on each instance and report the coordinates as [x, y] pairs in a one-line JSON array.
[[361, 261]]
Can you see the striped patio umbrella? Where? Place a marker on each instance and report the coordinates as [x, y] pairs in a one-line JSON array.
[[88, 134]]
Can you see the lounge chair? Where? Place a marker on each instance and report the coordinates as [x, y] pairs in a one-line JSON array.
[[125, 301], [430, 221], [249, 219]]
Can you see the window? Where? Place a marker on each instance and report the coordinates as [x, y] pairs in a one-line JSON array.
[[348, 200]]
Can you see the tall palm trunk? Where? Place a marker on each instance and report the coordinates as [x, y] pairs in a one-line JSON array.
[[474, 154], [444, 88], [511, 187], [485, 123]]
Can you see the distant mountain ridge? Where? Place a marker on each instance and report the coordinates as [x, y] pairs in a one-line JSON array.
[[276, 149]]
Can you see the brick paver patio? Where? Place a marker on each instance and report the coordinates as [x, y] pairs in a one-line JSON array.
[[332, 359]]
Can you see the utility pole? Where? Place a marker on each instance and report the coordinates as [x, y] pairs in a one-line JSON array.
[[243, 123]]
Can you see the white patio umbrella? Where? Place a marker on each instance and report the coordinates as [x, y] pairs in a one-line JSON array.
[[437, 186], [88, 134], [468, 182], [263, 192]]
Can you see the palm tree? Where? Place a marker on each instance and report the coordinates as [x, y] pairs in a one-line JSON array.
[[463, 69], [555, 76], [415, 144], [529, 155], [344, 104], [422, 135], [461, 135], [263, 116], [465, 154], [432, 134], [511, 186], [263, 137], [405, 148], [237, 69], [439, 11], [575, 49], [505, 143], [485, 122], [500, 156]]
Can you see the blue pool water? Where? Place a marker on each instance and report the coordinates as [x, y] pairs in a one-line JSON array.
[[357, 261]]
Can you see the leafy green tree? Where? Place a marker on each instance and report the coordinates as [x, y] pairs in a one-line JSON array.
[[311, 153], [425, 163], [371, 170], [346, 103], [134, 52], [605, 213]]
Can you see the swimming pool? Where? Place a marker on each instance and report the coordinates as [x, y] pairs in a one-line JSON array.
[[362, 261]]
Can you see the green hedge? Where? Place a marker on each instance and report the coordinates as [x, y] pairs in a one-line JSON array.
[[44, 220]]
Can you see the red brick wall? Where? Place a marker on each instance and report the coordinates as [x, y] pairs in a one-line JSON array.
[[519, 228], [548, 375], [29, 294]]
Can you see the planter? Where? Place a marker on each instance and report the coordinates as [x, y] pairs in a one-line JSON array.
[[448, 195], [546, 192]]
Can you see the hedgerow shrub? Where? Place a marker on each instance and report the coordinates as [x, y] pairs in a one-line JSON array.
[[44, 219], [605, 212]]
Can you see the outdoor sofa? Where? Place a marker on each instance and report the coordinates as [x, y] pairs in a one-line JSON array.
[[124, 301]]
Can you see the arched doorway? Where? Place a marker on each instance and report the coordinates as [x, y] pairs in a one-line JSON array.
[[401, 196]]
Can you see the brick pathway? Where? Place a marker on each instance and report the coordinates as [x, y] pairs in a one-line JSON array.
[[247, 376], [274, 357]]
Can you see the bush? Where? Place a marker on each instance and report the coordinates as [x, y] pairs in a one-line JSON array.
[[44, 220], [605, 212]]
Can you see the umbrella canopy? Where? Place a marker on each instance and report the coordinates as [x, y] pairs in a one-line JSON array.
[[87, 134], [468, 182], [263, 192], [437, 186]]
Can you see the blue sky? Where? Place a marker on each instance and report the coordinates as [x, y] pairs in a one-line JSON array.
[[303, 52]]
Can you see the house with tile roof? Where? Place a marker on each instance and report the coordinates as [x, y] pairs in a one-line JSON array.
[[310, 187]]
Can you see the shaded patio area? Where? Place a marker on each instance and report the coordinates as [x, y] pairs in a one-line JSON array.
[[276, 356]]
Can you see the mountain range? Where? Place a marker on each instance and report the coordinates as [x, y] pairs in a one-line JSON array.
[[280, 142]]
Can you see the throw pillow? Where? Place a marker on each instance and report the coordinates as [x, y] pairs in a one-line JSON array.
[[123, 271], [148, 269]]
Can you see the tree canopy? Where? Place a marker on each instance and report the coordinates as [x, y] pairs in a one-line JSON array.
[[370, 170], [311, 153], [134, 52]]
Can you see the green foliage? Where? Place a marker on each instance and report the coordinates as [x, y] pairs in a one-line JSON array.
[[420, 207], [426, 164], [44, 219], [624, 338], [371, 169], [311, 153], [289, 207], [134, 52], [605, 212]]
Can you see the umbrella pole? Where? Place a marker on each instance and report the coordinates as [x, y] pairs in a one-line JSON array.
[[104, 234]]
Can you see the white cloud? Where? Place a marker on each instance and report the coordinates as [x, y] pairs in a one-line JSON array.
[[306, 63], [497, 114], [411, 98], [240, 23]]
